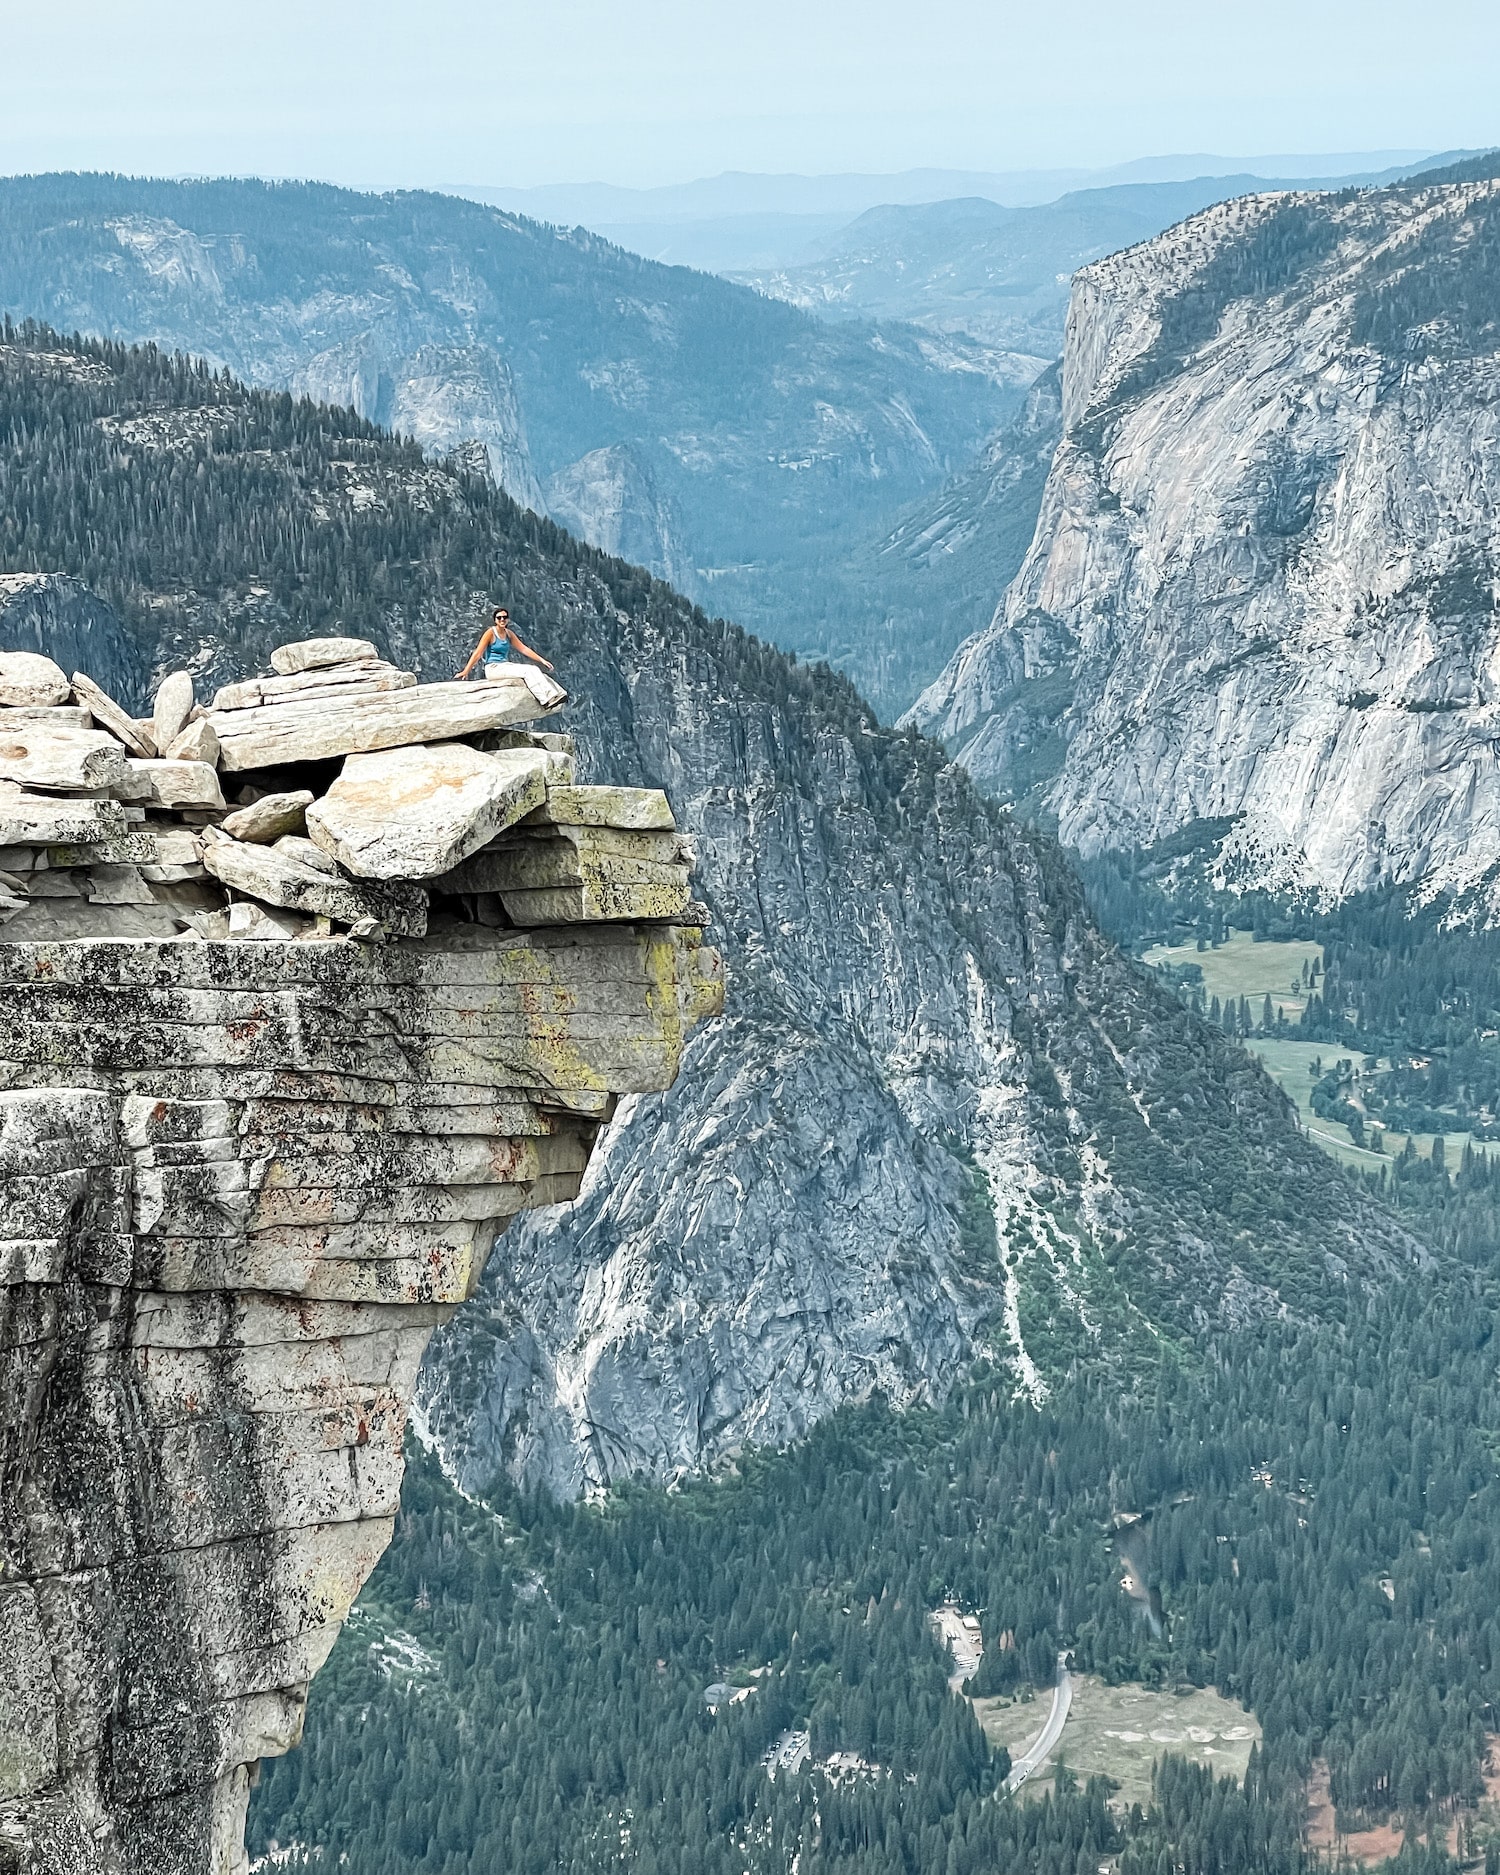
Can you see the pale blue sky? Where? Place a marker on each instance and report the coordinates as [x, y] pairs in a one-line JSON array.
[[650, 91]]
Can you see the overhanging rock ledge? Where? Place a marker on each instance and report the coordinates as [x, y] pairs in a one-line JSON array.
[[262, 1119]]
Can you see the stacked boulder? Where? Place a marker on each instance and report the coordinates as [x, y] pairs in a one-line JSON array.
[[336, 795], [242, 1181]]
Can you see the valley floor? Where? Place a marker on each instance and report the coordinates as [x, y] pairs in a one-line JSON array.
[[1119, 1732], [1242, 969]]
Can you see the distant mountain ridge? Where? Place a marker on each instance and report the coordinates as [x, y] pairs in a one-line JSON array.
[[1001, 272], [743, 192], [737, 223], [1262, 586], [775, 443]]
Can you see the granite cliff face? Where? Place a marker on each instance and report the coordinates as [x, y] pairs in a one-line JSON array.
[[610, 497], [943, 1119], [255, 1144], [1262, 584], [934, 577]]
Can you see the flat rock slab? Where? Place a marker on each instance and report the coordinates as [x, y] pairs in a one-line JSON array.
[[161, 783], [117, 721], [571, 856], [28, 680], [269, 819], [364, 679], [599, 902], [643, 810], [34, 820], [316, 654], [412, 813], [317, 729], [261, 872], [60, 715], [43, 756]]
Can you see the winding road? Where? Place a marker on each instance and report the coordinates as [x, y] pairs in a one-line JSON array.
[[1037, 1751]]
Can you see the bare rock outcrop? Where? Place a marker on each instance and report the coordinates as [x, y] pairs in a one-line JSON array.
[[1262, 582], [252, 1152]]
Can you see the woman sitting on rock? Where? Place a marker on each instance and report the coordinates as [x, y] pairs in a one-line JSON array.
[[497, 647]]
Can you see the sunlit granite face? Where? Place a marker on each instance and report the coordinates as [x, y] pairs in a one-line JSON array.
[[240, 1183]]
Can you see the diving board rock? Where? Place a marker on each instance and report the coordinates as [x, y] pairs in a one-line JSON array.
[[40, 755], [28, 680], [307, 730], [412, 813]]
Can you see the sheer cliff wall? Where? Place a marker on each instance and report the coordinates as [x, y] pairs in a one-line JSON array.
[[1262, 585], [239, 1186]]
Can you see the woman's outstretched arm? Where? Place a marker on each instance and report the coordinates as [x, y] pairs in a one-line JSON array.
[[526, 651]]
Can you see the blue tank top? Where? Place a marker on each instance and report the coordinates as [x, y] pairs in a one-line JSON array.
[[498, 651]]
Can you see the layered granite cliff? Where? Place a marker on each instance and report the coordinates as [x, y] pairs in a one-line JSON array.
[[274, 1077], [1262, 584]]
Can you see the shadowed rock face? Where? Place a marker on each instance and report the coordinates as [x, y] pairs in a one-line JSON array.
[[58, 617], [1261, 585], [240, 1184], [610, 497]]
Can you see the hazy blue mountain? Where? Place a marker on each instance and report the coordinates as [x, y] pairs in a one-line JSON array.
[[727, 244], [776, 443], [1000, 272], [742, 192], [738, 223]]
